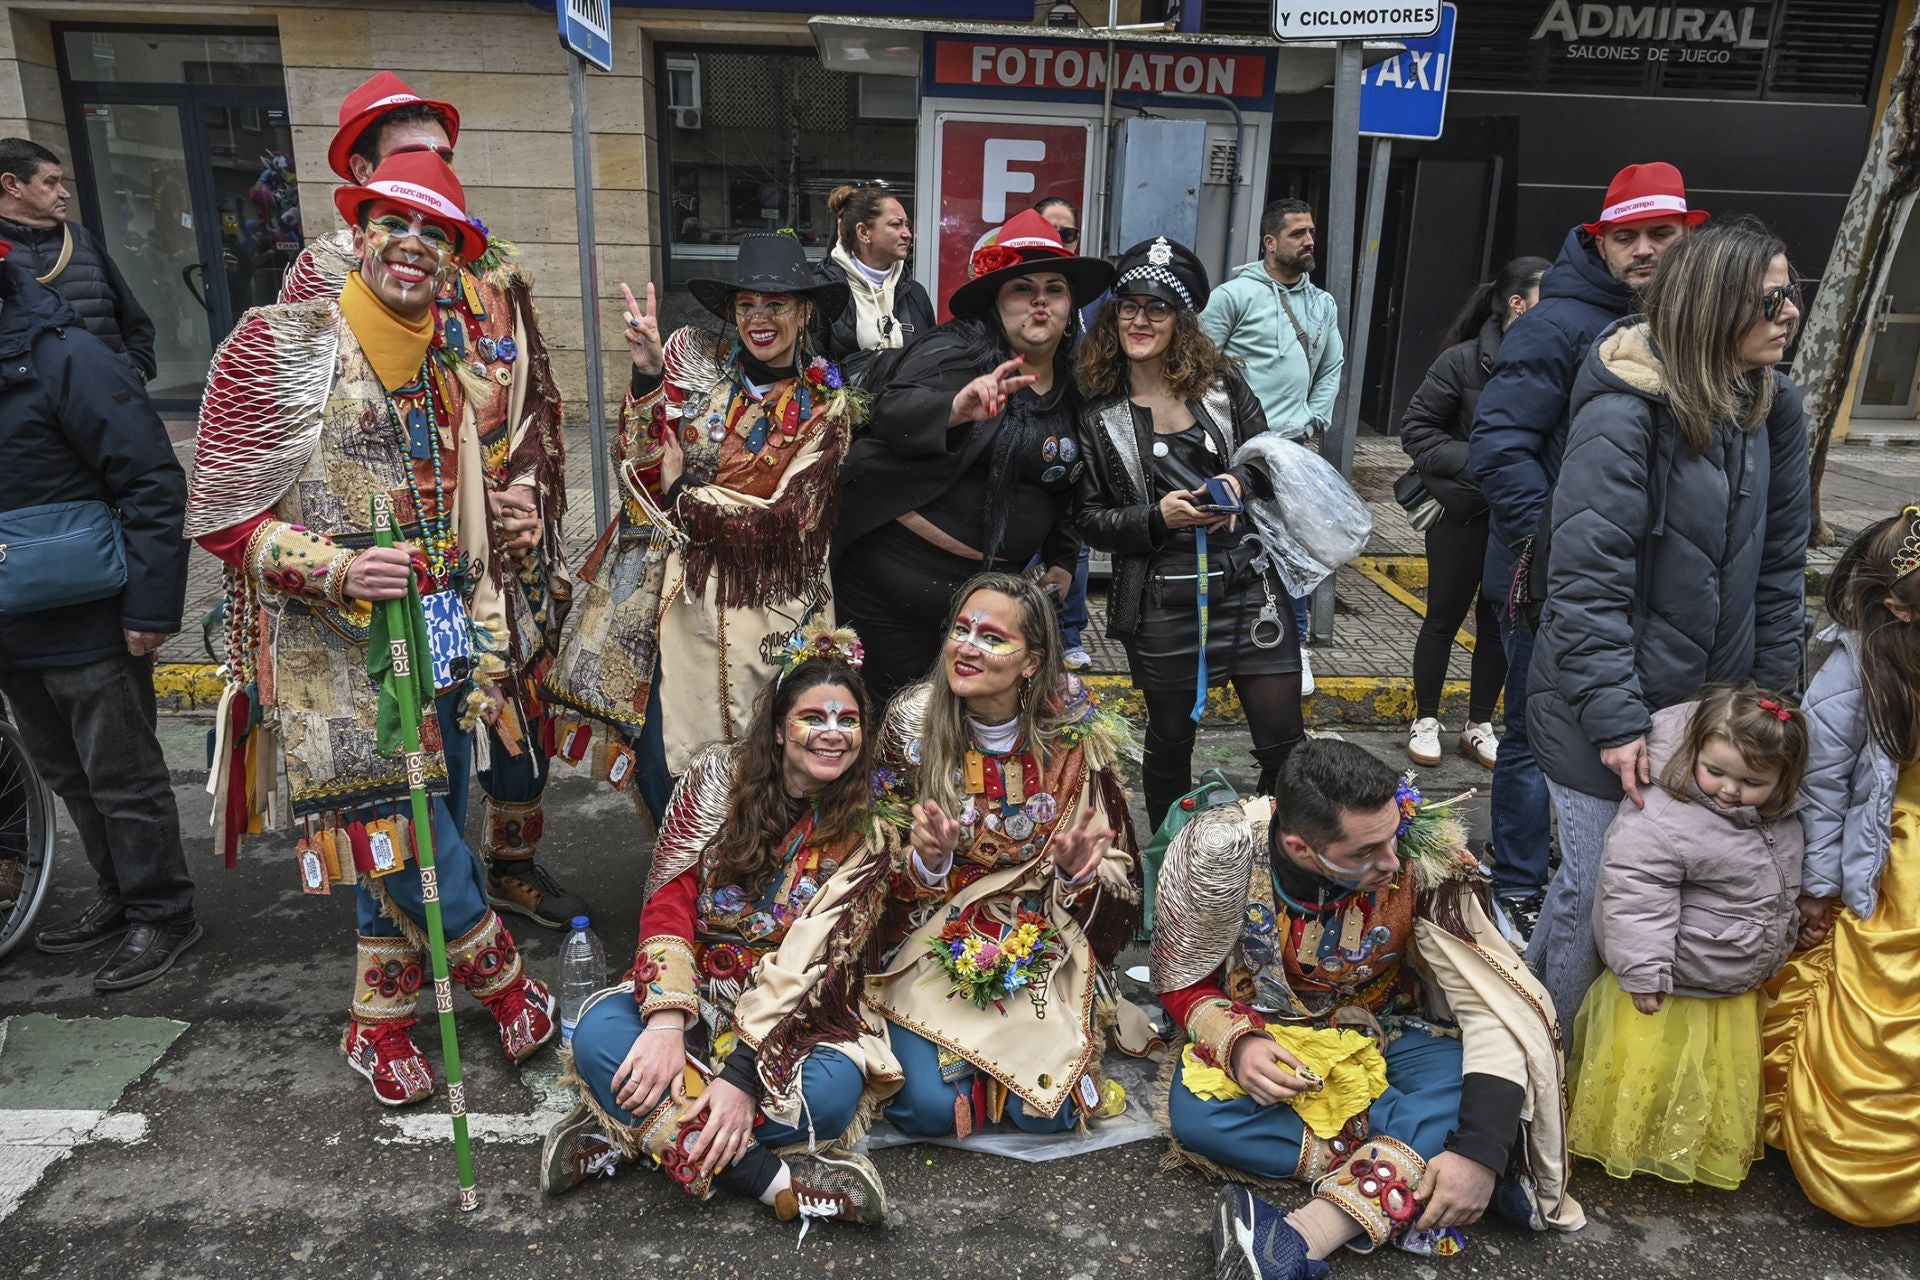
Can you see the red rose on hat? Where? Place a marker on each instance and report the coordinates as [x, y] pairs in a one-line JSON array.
[[993, 257]]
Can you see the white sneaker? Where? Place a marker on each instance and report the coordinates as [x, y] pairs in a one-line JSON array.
[[1076, 659], [1478, 743], [1306, 671], [1423, 742]]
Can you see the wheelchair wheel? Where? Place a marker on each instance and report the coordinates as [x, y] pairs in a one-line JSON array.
[[26, 834]]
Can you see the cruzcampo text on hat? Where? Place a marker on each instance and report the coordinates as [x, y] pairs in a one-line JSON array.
[[1642, 191], [421, 181]]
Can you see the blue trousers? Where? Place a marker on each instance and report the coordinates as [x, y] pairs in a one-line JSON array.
[[463, 881], [1421, 1104], [924, 1106], [1520, 805], [1073, 613], [830, 1082]]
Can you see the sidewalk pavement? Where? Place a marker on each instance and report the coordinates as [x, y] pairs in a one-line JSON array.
[[1364, 674]]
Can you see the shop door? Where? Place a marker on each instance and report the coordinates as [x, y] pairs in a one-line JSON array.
[[188, 184], [1889, 384]]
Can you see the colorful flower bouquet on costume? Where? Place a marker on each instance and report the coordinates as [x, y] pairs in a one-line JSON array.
[[989, 961]]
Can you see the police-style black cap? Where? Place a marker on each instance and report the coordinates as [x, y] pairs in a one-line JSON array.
[[1164, 269]]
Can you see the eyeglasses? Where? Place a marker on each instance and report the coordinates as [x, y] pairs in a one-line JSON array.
[[967, 631], [445, 153], [1069, 235], [777, 309], [400, 228], [1775, 300], [1157, 310]]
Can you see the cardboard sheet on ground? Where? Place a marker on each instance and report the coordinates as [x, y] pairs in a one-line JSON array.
[[1144, 1118]]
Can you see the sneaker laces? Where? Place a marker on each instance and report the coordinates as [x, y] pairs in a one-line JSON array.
[[507, 1005], [391, 1042], [605, 1163], [532, 873], [811, 1207]]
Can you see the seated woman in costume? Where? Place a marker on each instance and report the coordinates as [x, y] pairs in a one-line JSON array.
[[1022, 882], [729, 450], [1164, 417], [773, 854], [971, 457]]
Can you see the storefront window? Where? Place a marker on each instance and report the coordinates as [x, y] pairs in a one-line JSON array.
[[180, 55], [756, 141]]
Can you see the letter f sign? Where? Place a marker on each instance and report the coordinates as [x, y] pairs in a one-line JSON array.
[[998, 180]]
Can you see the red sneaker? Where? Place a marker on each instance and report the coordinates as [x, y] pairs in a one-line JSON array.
[[525, 1014], [385, 1054]]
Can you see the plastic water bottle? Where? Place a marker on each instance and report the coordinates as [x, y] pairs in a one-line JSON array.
[[583, 971]]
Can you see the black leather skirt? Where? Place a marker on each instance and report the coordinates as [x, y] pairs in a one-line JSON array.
[[1244, 636]]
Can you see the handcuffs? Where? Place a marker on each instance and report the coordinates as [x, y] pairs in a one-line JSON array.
[[1268, 631]]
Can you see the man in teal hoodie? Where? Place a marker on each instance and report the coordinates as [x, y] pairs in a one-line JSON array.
[[1285, 331]]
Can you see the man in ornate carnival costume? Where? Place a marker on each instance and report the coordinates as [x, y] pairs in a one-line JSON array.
[[1357, 1024], [486, 320], [316, 412]]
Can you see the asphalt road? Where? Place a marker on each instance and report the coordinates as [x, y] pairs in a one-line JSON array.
[[206, 1126]]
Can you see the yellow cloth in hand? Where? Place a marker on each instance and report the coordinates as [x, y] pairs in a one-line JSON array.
[[1349, 1062]]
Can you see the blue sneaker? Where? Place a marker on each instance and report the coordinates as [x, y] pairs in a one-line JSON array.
[[1252, 1240]]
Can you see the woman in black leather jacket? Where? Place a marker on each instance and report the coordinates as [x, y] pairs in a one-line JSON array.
[[1164, 413]]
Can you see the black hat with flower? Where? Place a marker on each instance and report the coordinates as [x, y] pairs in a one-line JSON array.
[[1027, 245]]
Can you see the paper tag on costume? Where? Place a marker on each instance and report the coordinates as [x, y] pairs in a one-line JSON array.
[[574, 745], [620, 766], [385, 854], [313, 869], [1087, 1094]]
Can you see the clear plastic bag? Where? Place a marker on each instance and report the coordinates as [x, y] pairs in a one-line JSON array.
[[1313, 524]]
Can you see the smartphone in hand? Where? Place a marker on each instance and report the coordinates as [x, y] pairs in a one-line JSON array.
[[1220, 500]]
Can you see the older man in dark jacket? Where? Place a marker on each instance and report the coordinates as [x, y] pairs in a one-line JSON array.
[[64, 255], [1519, 434], [75, 426]]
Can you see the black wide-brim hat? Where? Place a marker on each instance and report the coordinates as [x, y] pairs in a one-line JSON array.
[[1027, 245], [770, 263], [1164, 269]]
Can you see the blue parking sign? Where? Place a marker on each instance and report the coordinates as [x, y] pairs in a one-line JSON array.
[[1406, 96]]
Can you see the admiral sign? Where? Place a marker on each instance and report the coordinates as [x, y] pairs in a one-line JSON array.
[[1650, 32]]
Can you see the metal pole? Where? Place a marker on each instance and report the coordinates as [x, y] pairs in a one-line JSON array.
[[1338, 448], [589, 286], [1106, 134], [1363, 298]]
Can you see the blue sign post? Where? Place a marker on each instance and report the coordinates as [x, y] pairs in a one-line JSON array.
[[1406, 96], [586, 27]]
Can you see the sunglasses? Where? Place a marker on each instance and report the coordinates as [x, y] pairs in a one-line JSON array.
[[1157, 310], [1069, 235], [445, 153], [1775, 300]]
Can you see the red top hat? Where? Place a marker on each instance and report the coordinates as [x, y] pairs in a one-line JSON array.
[[364, 107], [1025, 244], [1642, 191], [421, 181]]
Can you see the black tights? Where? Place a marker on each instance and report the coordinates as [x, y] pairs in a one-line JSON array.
[[1456, 553], [1272, 704]]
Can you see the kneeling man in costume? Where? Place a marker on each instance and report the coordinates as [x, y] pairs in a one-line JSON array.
[[1357, 1023], [313, 412]]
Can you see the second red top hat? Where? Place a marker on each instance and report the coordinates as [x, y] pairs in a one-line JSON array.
[[365, 105]]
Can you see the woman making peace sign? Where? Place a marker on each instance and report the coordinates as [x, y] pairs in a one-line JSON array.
[[737, 436]]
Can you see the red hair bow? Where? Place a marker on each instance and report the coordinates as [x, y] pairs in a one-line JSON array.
[[1777, 711]]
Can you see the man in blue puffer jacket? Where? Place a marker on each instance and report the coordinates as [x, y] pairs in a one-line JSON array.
[[1519, 433]]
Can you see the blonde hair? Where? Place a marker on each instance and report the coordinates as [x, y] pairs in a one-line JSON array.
[[944, 735], [1700, 305]]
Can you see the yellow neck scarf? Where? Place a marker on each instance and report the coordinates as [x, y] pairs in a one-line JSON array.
[[395, 347]]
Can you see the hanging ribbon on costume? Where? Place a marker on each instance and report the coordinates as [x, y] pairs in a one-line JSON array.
[[1200, 593]]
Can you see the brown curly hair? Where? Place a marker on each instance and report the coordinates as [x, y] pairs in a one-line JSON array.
[[1193, 362], [751, 847]]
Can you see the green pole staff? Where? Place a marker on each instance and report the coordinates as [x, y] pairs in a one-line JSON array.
[[404, 620]]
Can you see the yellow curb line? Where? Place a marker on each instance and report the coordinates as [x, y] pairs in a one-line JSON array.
[[1409, 571], [1336, 700], [1382, 575]]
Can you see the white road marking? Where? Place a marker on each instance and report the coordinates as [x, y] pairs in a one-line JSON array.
[[31, 1142], [431, 1123]]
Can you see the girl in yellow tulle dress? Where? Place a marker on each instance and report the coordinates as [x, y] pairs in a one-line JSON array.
[[1695, 911], [1843, 1032]]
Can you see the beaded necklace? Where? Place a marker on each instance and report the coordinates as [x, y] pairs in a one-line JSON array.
[[436, 533]]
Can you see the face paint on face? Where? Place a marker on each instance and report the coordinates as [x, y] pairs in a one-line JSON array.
[[978, 632], [837, 718], [404, 257], [819, 738]]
